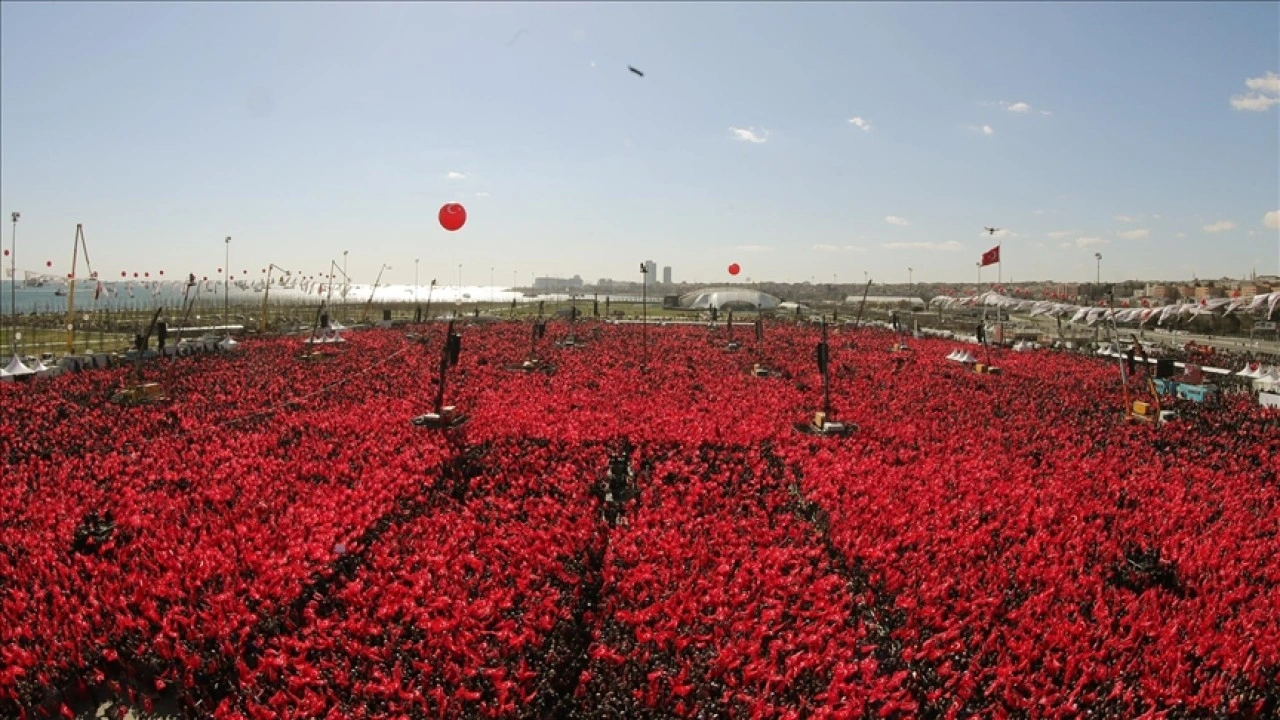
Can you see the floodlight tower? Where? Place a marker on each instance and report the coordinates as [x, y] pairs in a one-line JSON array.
[[13, 282]]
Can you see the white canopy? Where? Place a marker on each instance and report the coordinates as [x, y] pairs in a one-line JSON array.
[[16, 368]]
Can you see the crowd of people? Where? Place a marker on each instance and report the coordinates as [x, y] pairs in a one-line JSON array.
[[639, 534]]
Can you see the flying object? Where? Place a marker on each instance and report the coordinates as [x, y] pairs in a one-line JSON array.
[[635, 71], [991, 231]]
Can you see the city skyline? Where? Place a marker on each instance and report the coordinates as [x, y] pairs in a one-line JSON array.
[[302, 131]]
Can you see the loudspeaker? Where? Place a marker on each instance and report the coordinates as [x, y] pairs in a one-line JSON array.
[[1164, 368]]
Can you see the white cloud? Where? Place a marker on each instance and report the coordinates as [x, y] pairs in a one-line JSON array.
[[1135, 234], [1059, 234], [753, 248], [1090, 241], [828, 248], [1182, 235], [1037, 212], [1046, 112], [454, 175], [1219, 226], [1269, 84], [1157, 217], [949, 246], [860, 123], [1018, 107], [482, 194], [1266, 92], [1127, 218], [895, 220], [750, 134], [1064, 245], [1272, 220]]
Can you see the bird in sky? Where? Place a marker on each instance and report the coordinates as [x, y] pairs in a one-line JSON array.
[[635, 71]]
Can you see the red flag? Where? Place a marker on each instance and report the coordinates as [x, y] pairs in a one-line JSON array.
[[991, 257]]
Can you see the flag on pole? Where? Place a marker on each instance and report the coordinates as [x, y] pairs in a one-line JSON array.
[[991, 257]]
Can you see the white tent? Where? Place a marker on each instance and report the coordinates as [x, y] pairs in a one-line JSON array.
[[708, 298], [16, 368]]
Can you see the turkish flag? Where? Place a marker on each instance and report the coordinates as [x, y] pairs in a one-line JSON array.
[[991, 257]]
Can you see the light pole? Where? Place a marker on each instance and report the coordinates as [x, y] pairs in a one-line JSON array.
[[910, 282], [644, 313], [13, 283], [459, 284], [345, 280], [415, 281], [1097, 278], [490, 284], [226, 285]]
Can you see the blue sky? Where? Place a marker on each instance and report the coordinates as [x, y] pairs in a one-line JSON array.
[[305, 130]]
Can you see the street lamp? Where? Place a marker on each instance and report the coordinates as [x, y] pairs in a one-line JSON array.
[[415, 280], [1097, 280], [910, 281], [345, 281], [226, 285], [13, 282]]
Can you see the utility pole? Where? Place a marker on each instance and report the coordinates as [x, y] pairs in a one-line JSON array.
[[345, 279]]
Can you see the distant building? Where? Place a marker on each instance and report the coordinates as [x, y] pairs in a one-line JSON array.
[[1208, 292], [553, 284], [1249, 289], [651, 272], [666, 275], [1186, 291], [1160, 292]]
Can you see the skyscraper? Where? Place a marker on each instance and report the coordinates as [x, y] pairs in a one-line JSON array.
[[651, 277], [666, 275]]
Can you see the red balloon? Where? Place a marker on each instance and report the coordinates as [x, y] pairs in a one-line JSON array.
[[219, 270], [452, 216], [161, 272], [734, 269], [206, 278], [124, 274], [135, 274], [146, 274], [6, 253], [48, 263]]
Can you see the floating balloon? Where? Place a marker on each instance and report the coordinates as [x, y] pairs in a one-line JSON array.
[[6, 253], [161, 272], [219, 270], [452, 216], [48, 263], [734, 269], [135, 274], [146, 274], [124, 274]]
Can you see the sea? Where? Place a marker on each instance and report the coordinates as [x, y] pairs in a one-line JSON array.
[[141, 296]]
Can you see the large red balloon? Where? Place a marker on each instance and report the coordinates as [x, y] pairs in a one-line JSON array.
[[734, 269], [452, 216], [48, 263]]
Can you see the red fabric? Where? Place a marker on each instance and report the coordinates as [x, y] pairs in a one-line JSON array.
[[991, 257]]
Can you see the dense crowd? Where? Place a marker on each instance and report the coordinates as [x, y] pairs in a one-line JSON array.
[[639, 533]]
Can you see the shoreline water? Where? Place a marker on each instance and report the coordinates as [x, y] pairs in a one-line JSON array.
[[44, 300]]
